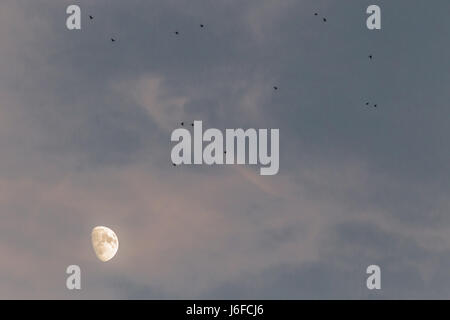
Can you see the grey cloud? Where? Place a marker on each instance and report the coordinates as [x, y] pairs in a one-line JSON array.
[[85, 137]]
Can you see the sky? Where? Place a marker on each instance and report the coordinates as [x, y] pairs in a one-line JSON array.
[[85, 129]]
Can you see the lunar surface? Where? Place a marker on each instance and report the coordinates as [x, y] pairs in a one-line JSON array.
[[105, 243]]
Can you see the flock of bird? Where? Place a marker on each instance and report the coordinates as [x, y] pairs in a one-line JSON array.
[[91, 17], [324, 19], [370, 57]]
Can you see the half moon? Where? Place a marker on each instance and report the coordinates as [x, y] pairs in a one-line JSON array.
[[104, 242]]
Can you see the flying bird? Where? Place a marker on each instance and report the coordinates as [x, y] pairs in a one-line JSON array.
[[370, 56], [202, 25], [275, 88], [113, 40], [316, 14], [91, 17], [367, 103], [324, 19], [375, 105], [182, 123], [176, 32]]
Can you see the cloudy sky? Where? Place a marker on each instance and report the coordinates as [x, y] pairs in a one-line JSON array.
[[85, 130]]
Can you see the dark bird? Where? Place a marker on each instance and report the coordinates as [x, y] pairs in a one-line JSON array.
[[202, 25], [113, 40], [324, 19], [370, 56], [375, 105], [275, 88], [225, 152], [182, 123], [174, 164], [367, 103], [176, 32], [192, 124], [316, 14], [91, 17]]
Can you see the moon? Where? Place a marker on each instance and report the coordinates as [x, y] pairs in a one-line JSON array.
[[104, 242]]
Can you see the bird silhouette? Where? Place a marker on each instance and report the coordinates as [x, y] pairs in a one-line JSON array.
[[176, 32], [174, 164], [316, 14], [370, 56], [91, 17], [275, 88], [113, 40], [182, 123], [192, 124], [202, 25], [367, 103], [324, 19], [375, 105]]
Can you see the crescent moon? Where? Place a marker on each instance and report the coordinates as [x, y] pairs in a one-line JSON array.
[[104, 242]]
